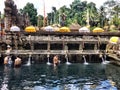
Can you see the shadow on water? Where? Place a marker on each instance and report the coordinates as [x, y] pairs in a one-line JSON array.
[[61, 77], [4, 85]]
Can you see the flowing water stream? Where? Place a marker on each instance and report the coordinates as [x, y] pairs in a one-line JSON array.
[[29, 61], [67, 61], [85, 62]]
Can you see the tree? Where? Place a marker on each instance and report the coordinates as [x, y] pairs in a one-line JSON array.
[[102, 16], [113, 11], [54, 14], [50, 18], [77, 13], [77, 9], [32, 13], [93, 14], [116, 19], [40, 21], [64, 15]]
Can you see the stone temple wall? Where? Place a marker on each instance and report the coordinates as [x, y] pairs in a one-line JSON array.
[[13, 17]]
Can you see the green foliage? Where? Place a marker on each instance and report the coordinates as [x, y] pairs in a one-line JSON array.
[[76, 13], [32, 13], [112, 9], [40, 21]]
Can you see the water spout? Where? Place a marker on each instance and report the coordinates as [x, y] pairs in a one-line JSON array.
[[29, 60], [105, 57], [48, 62], [102, 58], [104, 61], [67, 62], [85, 62]]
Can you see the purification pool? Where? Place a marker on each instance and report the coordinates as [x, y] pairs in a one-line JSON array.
[[77, 76]]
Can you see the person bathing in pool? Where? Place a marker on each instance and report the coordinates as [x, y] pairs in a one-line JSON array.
[[56, 60]]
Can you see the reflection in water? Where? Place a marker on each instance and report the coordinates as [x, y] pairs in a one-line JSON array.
[[61, 77], [113, 72], [17, 73], [6, 74]]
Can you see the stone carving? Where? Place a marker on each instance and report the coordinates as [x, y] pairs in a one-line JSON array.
[[13, 17]]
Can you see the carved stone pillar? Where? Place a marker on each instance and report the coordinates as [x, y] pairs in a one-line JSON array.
[[96, 48], [32, 46], [48, 44], [80, 47], [66, 47]]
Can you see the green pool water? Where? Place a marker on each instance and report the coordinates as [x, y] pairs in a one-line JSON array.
[[63, 77]]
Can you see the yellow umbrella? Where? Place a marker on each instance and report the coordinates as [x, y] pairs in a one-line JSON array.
[[30, 29], [64, 29], [97, 29], [114, 40]]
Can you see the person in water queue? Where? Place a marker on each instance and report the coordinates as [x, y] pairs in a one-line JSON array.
[[55, 60], [8, 49], [17, 62], [7, 60]]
